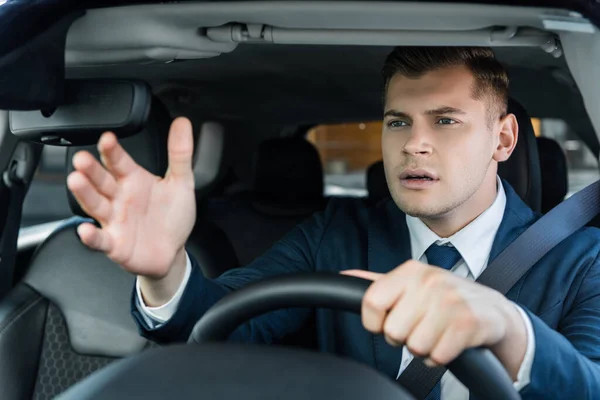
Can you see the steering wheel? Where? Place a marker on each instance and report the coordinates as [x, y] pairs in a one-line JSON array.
[[478, 369], [227, 371]]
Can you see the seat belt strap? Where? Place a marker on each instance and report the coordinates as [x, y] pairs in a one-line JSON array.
[[13, 185], [513, 263], [541, 237]]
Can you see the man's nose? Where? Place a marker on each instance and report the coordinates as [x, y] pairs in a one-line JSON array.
[[419, 141]]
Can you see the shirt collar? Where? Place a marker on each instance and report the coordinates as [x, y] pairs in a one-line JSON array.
[[473, 242]]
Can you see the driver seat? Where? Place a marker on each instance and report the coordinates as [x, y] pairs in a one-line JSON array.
[[70, 314]]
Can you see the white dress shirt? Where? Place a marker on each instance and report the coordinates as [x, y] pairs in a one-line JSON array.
[[155, 316], [473, 242]]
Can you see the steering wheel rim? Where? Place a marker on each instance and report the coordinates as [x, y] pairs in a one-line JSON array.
[[478, 369]]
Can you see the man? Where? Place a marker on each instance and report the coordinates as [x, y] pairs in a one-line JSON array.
[[446, 128]]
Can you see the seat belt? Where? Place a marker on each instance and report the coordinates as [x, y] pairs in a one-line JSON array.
[[513, 263], [13, 188]]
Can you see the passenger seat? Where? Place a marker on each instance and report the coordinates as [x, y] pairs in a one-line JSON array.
[[287, 188], [70, 314]]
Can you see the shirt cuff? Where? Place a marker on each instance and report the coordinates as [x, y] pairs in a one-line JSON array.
[[524, 374], [159, 315]]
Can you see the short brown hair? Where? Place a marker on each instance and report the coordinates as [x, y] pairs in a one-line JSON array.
[[490, 76]]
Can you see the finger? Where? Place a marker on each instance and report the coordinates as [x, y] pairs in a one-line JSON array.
[[102, 180], [92, 202], [422, 339], [405, 315], [449, 346], [114, 157], [94, 237], [181, 148], [368, 275], [379, 299]]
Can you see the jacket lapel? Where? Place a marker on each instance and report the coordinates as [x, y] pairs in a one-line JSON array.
[[517, 217], [388, 247]]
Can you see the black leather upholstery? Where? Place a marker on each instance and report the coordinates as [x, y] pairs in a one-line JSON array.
[[555, 181], [288, 177], [211, 247], [287, 188], [377, 187], [22, 320], [521, 170]]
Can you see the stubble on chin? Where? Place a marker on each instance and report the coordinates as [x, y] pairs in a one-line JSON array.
[[425, 211]]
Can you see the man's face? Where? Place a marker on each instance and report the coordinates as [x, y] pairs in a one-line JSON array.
[[437, 144]]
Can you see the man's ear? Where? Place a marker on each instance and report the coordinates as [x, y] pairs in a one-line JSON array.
[[507, 137]]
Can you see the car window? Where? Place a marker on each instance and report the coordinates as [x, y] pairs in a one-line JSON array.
[[348, 149], [46, 199], [582, 165]]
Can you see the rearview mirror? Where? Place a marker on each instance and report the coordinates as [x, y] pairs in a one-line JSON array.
[[91, 108]]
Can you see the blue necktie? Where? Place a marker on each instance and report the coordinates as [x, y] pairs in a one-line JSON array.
[[444, 257]]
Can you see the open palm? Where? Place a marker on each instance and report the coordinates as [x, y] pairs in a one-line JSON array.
[[145, 219]]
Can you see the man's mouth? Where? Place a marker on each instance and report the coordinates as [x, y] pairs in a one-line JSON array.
[[418, 175], [417, 179]]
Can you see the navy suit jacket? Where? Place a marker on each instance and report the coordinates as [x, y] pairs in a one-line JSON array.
[[561, 293]]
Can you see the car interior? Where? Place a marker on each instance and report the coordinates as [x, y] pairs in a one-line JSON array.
[[254, 77]]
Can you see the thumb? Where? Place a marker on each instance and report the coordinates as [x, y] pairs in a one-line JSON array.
[[359, 273], [181, 148]]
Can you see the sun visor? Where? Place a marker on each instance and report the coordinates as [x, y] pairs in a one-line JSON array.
[[90, 108], [32, 74]]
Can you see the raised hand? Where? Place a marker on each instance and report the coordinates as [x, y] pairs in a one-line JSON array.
[[145, 219]]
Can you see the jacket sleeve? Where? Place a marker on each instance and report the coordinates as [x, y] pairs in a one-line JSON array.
[[567, 361], [294, 253]]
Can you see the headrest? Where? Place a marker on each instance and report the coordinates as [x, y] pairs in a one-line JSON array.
[[148, 148], [555, 181], [287, 171], [209, 154], [376, 183], [522, 169]]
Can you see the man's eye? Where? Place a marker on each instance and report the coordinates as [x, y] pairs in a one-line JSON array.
[[397, 124], [446, 121]]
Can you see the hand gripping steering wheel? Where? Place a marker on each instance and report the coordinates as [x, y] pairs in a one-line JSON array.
[[478, 369]]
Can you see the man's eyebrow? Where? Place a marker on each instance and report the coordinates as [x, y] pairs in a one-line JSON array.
[[437, 111], [445, 110], [395, 113]]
